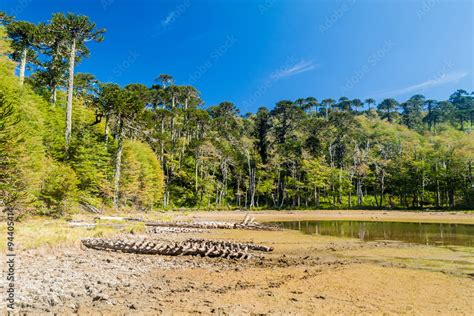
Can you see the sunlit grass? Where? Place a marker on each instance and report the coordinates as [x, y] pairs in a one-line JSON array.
[[38, 232]]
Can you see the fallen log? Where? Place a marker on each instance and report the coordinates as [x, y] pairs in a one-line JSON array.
[[233, 245], [247, 223], [189, 247], [81, 224], [118, 218], [89, 208], [177, 230]]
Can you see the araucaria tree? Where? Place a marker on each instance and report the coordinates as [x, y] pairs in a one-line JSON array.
[[24, 36], [77, 30], [125, 105], [145, 147]]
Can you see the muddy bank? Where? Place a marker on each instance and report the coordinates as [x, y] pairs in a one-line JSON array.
[[304, 275], [459, 217]]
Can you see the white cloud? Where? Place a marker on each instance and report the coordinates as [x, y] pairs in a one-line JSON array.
[[300, 67], [169, 18], [438, 81]]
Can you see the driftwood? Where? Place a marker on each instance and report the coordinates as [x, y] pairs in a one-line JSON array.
[[233, 245], [190, 247], [118, 218], [178, 230], [89, 208], [247, 223], [81, 224]]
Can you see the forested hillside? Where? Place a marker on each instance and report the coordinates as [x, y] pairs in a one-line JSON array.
[[68, 140]]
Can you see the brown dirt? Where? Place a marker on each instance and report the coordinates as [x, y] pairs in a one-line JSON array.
[[305, 275]]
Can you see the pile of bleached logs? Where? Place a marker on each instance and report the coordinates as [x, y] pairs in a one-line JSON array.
[[232, 245], [190, 247], [247, 223], [178, 230]]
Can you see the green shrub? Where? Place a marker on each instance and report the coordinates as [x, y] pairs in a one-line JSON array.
[[142, 177], [59, 190]]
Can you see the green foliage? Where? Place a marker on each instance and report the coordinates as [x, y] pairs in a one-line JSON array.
[[148, 147], [59, 190], [142, 177], [9, 182]]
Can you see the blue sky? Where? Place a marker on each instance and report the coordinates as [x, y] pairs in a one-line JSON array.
[[256, 53]]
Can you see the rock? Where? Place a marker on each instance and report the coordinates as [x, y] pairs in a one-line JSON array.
[[100, 297]]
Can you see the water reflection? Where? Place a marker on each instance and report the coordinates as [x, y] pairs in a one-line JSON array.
[[423, 233]]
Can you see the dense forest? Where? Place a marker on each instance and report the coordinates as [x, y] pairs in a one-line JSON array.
[[68, 140]]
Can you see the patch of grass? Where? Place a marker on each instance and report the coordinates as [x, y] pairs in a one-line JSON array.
[[136, 228], [38, 232]]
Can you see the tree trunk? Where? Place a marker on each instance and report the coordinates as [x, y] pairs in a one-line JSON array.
[[106, 132], [118, 164], [24, 52], [54, 92], [316, 197], [359, 191], [437, 194], [72, 58]]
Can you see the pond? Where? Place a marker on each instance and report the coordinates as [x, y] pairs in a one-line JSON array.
[[422, 233]]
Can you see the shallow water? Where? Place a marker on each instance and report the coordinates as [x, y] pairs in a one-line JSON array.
[[421, 233]]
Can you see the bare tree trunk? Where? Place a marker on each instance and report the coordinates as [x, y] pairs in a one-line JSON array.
[[251, 180], [316, 197], [438, 195], [54, 92], [23, 65], [118, 165], [359, 191], [72, 58], [106, 131]]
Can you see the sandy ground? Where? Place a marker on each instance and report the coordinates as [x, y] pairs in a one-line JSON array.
[[304, 275], [466, 217]]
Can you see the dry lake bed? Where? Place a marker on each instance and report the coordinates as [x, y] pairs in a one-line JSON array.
[[324, 262]]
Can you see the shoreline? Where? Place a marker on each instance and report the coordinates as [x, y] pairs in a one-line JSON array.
[[350, 215]]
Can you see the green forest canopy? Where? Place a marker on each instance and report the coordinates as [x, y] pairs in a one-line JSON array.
[[154, 147]]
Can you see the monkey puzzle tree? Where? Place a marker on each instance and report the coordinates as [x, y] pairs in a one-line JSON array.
[[430, 117], [412, 112], [125, 105], [77, 30], [165, 79], [369, 102], [24, 36], [327, 103], [388, 108], [357, 103]]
